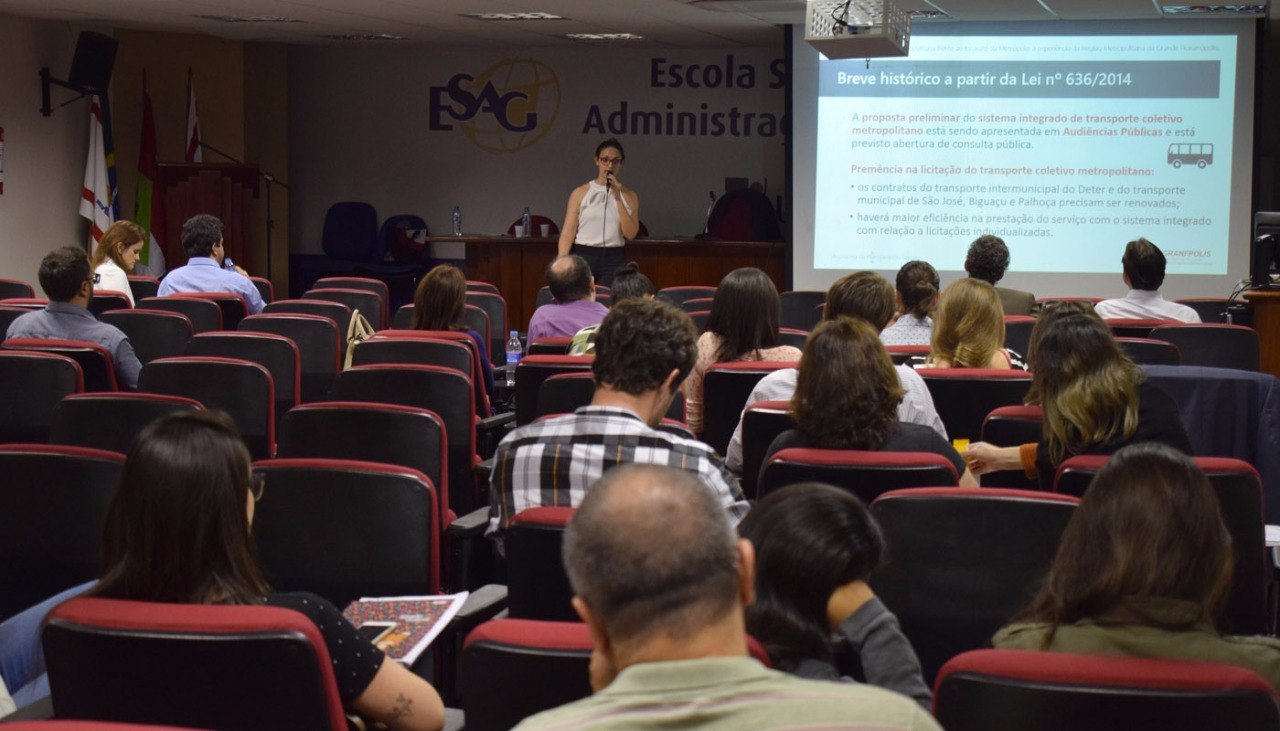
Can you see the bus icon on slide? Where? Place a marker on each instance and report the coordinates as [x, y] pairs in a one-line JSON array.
[[1198, 154]]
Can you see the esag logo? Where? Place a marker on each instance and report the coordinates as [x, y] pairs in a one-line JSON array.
[[505, 108]]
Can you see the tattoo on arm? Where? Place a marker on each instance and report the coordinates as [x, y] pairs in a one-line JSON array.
[[403, 708]]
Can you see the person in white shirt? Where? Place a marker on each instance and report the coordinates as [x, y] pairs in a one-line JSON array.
[[1143, 274], [864, 295], [115, 257]]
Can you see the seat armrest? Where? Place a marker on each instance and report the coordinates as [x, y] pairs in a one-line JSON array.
[[491, 429], [489, 423], [483, 471], [481, 605], [471, 525]]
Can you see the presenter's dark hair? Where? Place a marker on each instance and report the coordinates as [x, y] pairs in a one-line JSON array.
[[440, 300], [200, 233], [569, 278], [615, 144], [630, 283], [1144, 264], [640, 342], [810, 539], [62, 271], [988, 259], [919, 286], [865, 295], [745, 313]]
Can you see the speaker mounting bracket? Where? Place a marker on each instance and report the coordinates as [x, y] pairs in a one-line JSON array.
[[46, 81]]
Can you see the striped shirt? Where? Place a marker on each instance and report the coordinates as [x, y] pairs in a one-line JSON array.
[[555, 461]]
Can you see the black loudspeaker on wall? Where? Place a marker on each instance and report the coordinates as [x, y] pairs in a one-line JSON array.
[[94, 59]]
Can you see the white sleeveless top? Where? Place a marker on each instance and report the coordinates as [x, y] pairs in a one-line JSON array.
[[598, 218]]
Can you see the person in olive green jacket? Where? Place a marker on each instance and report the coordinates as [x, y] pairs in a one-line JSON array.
[[988, 260]]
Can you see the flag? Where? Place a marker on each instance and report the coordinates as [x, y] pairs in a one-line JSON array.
[[95, 198], [148, 209], [194, 154]]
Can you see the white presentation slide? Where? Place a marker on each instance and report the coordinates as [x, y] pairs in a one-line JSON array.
[[1064, 146]]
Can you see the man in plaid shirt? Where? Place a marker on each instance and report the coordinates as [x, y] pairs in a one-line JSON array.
[[644, 351]]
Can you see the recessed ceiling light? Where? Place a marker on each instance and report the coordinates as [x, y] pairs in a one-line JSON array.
[[603, 37], [927, 14], [249, 18], [514, 16], [1259, 9], [364, 37]]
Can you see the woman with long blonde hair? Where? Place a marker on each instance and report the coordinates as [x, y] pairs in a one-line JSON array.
[[968, 329], [116, 255]]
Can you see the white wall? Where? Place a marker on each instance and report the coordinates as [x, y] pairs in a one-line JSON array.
[[360, 130], [43, 156]]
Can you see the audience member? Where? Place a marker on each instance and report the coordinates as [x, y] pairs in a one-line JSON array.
[[68, 282], [847, 396], [208, 267], [743, 325], [574, 291], [1144, 564], [117, 253], [867, 296], [644, 349], [1143, 264], [178, 531], [628, 283], [663, 600], [1095, 399], [916, 297], [439, 303], [816, 546], [968, 330], [988, 260]]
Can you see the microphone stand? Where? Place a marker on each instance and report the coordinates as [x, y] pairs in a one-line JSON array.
[[267, 178]]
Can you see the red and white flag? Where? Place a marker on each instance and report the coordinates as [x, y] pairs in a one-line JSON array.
[[194, 153], [95, 197]]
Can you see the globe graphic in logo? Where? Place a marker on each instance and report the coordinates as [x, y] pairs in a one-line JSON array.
[[541, 88]]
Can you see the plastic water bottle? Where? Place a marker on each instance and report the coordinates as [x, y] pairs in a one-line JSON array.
[[514, 351], [457, 220], [526, 221]]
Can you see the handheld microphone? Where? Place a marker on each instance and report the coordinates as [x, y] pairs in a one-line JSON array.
[[608, 181]]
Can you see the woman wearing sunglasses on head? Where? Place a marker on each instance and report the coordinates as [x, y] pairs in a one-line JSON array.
[[601, 216]]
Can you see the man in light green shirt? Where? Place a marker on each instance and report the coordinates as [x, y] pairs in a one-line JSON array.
[[661, 580]]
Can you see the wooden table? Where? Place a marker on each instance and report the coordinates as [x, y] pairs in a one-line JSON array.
[[1266, 321], [517, 266]]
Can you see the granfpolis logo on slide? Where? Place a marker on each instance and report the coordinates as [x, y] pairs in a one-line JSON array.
[[504, 108]]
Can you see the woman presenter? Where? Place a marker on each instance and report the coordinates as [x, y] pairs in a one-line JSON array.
[[601, 216]]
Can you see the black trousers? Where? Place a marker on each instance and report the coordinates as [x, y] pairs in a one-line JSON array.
[[604, 261]]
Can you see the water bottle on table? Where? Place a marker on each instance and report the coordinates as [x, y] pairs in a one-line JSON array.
[[514, 351], [526, 222], [457, 220]]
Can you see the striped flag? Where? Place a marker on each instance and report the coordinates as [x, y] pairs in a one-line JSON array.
[[95, 197], [148, 210], [194, 153]]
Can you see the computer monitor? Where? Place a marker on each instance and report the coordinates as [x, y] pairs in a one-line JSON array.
[[1265, 246]]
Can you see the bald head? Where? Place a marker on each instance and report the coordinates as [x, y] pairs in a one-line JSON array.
[[569, 278], [650, 549]]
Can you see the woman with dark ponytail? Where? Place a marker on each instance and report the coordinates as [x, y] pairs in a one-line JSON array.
[[917, 294]]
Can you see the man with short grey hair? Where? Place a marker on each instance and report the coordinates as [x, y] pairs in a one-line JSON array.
[[661, 580]]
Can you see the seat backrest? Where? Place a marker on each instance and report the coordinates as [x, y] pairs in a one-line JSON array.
[[277, 353], [143, 286], [336, 311], [350, 231], [1214, 345], [53, 502], [439, 347], [794, 338], [557, 345], [762, 422], [679, 295], [514, 668], [111, 421], [1044, 303], [496, 308], [346, 529], [563, 393], [1129, 327], [205, 314], [475, 285], [241, 388], [864, 474], [31, 385], [544, 295], [16, 288], [30, 303], [367, 284], [1003, 690], [208, 666], [537, 585], [902, 353], [266, 290], [964, 396], [1210, 309], [366, 303], [1012, 426], [725, 388], [1239, 490], [85, 726], [963, 562], [397, 242], [477, 319], [319, 348], [8, 314], [1017, 332], [800, 309], [232, 306], [743, 215], [95, 361], [106, 300], [153, 333], [403, 318], [697, 304], [533, 370]]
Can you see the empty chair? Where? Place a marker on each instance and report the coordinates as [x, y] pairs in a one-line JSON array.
[[367, 284], [95, 362], [1214, 345], [533, 370], [232, 306], [679, 295], [1148, 351], [865, 474], [1017, 332], [319, 348], [1012, 426], [207, 666], [105, 300], [143, 286], [962, 562], [31, 385], [537, 586], [366, 303], [336, 311], [346, 529], [241, 388], [1004, 690], [204, 314], [266, 290], [277, 353], [474, 285], [448, 348], [800, 309], [725, 388], [1210, 309], [964, 396], [514, 668], [15, 288], [8, 314], [762, 422], [1124, 327], [111, 421], [496, 308], [403, 319], [550, 346], [153, 333], [477, 319], [53, 502], [699, 304]]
